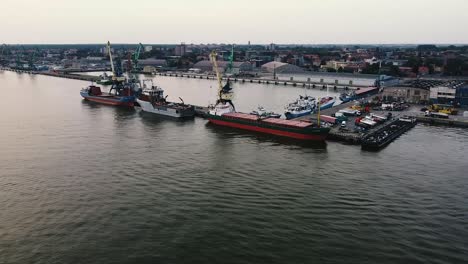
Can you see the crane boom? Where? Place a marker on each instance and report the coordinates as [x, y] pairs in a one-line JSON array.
[[213, 56], [224, 93], [136, 56], [110, 57], [116, 76]]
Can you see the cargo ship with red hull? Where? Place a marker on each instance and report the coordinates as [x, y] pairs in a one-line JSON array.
[[224, 114], [123, 92], [94, 94], [274, 126]]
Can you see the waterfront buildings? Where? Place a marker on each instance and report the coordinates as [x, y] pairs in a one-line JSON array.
[[340, 79], [451, 92], [414, 91], [429, 91]]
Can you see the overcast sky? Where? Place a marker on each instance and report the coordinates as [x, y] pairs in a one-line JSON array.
[[234, 21]]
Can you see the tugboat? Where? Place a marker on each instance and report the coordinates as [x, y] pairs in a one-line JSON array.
[[152, 100], [224, 114]]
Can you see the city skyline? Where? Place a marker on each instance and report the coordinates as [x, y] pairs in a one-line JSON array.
[[260, 22]]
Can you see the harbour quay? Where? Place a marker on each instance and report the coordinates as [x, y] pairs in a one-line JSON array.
[[60, 74], [415, 93], [309, 80], [352, 133]]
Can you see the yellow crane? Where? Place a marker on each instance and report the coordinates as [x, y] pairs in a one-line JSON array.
[[223, 94], [114, 76]]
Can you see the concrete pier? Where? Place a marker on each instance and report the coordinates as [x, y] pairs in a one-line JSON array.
[[72, 76], [293, 83], [440, 121]]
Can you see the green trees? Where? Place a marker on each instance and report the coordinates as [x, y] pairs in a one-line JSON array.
[[371, 69], [455, 67]]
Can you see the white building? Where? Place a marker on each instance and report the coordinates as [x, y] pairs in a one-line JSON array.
[[443, 93], [372, 61], [148, 48], [335, 64], [280, 67]]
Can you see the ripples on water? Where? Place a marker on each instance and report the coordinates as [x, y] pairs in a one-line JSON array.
[[85, 183]]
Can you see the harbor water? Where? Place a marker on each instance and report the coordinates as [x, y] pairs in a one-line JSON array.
[[88, 183]]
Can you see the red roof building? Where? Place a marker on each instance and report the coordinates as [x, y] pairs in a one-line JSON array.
[[423, 70]]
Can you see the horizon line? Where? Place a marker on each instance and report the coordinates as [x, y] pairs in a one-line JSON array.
[[253, 44]]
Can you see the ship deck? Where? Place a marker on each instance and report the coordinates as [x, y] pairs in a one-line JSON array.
[[269, 120]]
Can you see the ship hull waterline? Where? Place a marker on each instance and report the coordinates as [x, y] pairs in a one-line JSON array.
[[270, 131], [290, 115], [123, 101]]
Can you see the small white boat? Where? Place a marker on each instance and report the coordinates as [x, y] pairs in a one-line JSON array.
[[262, 112]]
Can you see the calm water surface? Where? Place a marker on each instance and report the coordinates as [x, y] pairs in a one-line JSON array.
[[87, 183]]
